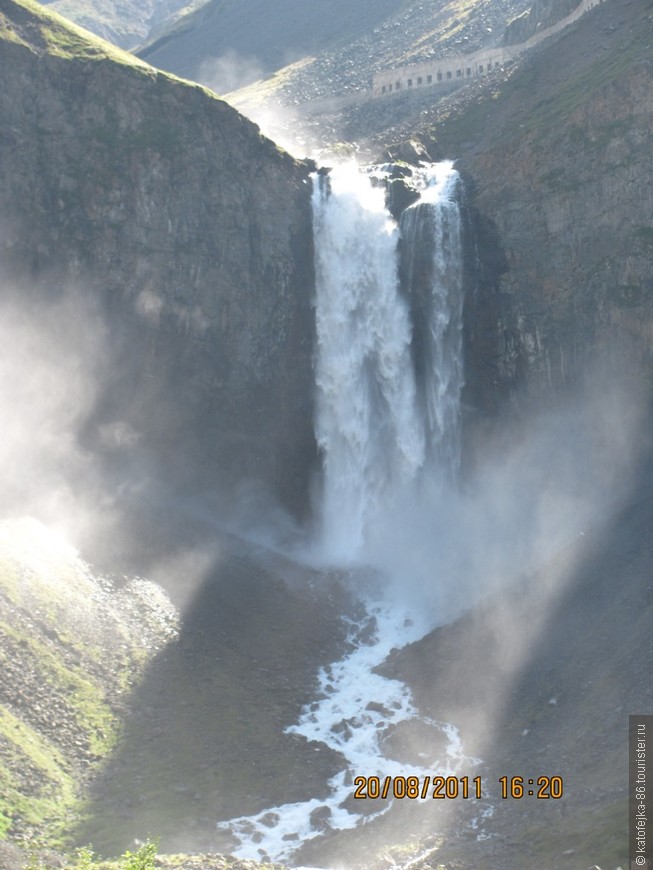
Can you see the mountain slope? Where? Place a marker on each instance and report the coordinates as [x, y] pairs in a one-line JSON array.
[[555, 155], [324, 49], [30, 26], [124, 24], [562, 177], [286, 31]]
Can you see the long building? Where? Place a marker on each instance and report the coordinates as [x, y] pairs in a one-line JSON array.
[[463, 67]]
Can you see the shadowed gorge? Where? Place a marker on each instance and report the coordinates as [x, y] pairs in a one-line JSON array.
[[325, 526]]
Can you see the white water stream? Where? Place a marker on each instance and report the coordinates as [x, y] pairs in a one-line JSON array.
[[387, 415], [353, 710]]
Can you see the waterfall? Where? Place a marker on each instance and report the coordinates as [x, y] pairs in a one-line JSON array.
[[388, 378], [367, 424], [389, 347], [432, 276]]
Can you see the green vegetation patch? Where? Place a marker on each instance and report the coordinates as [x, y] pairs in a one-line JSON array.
[[86, 699], [34, 785], [10, 579], [8, 32], [45, 30], [144, 858]]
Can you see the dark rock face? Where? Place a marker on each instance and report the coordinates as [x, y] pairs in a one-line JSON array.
[[401, 194], [562, 207], [191, 233], [576, 244], [554, 152]]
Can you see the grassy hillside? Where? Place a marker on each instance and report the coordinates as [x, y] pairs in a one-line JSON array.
[[72, 647], [30, 24], [126, 24]]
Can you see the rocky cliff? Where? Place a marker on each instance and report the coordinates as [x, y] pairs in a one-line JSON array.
[[554, 151], [555, 155], [120, 716], [182, 238]]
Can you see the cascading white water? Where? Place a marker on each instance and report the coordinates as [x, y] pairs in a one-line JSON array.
[[432, 227], [385, 409], [388, 375], [367, 424], [354, 711]]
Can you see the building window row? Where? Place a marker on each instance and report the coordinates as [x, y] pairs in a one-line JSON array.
[[429, 79]]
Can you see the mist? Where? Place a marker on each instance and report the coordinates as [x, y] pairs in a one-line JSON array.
[[476, 575], [73, 455], [532, 490], [539, 483], [229, 72], [54, 353]]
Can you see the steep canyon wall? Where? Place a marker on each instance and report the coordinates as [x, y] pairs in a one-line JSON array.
[[186, 234], [561, 185]]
